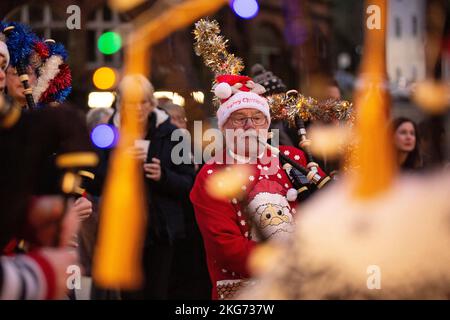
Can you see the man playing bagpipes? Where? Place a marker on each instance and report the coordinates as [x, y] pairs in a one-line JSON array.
[[265, 204]]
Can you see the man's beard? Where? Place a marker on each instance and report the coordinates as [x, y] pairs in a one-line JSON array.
[[278, 233], [248, 143]]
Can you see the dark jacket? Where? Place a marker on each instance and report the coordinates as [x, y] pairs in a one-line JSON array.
[[168, 199]]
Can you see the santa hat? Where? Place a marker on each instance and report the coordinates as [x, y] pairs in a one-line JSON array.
[[4, 51], [269, 192], [237, 92]]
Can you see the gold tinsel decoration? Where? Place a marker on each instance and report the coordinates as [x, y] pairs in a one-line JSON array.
[[283, 107], [212, 47]]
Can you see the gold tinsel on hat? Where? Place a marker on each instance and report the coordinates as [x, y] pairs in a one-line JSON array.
[[212, 47]]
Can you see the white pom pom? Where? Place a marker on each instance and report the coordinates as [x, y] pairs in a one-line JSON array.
[[223, 90], [291, 194]]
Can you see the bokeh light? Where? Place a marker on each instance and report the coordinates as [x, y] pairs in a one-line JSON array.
[[101, 99], [104, 136], [227, 183], [329, 140], [124, 5], [104, 78], [109, 42], [431, 96], [245, 9], [172, 96], [198, 96]]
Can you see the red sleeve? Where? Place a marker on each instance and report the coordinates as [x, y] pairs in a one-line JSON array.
[[218, 223]]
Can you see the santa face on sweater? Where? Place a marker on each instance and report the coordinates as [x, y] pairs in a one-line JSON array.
[[270, 212]]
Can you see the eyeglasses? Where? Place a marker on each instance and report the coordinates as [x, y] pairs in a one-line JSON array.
[[241, 121]]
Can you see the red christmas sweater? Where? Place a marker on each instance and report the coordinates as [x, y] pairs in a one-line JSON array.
[[225, 230]]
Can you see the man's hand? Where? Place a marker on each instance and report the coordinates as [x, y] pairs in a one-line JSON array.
[[83, 208], [44, 223], [137, 153], [153, 170]]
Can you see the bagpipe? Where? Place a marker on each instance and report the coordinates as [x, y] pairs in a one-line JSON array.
[[295, 109], [305, 180]]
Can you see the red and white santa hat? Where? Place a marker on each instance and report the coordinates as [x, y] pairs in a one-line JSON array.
[[237, 92], [268, 191]]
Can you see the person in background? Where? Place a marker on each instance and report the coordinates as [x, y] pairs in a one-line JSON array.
[[432, 140], [167, 190], [406, 144], [333, 91], [331, 166], [97, 116], [177, 114], [274, 85], [190, 273]]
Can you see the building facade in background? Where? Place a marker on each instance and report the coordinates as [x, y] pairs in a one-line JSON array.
[[405, 44]]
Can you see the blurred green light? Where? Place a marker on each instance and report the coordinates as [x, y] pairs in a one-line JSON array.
[[109, 42]]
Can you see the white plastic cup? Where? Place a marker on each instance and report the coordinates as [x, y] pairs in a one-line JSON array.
[[142, 144]]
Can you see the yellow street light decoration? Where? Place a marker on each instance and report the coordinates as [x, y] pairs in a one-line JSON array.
[[104, 78]]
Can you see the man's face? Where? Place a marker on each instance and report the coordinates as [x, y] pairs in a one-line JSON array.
[[15, 86], [2, 73], [243, 129]]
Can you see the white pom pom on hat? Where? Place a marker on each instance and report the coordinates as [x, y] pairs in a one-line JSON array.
[[223, 90], [291, 194]]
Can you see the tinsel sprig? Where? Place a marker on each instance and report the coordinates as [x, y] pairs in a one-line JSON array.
[[212, 47], [287, 108]]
